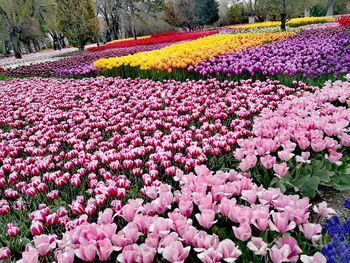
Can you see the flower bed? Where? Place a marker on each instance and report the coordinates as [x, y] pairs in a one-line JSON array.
[[211, 217], [294, 22], [189, 53], [173, 37], [337, 232], [311, 54], [80, 64], [301, 139], [80, 146]]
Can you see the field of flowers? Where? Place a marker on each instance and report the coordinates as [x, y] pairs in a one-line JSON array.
[[227, 165]]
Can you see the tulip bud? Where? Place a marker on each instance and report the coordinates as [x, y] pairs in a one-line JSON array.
[[5, 253], [37, 228], [52, 219], [12, 230]]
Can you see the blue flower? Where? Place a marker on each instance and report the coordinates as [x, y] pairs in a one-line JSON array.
[[347, 203]]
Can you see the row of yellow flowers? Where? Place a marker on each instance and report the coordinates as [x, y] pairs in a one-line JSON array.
[[189, 53], [294, 22]]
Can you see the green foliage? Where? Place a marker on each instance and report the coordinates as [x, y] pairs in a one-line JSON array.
[[77, 21], [191, 14], [307, 178], [236, 14], [207, 11]]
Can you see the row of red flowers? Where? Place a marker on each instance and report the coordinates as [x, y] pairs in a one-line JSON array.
[[157, 39]]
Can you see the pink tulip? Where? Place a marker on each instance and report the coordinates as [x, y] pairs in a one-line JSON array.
[[258, 246], [185, 207], [105, 217], [317, 258], [5, 253], [129, 254], [280, 222], [176, 252], [86, 252], [65, 257], [36, 228], [104, 249], [293, 248], [280, 169], [261, 220], [323, 211], [210, 255], [206, 218], [29, 256], [228, 250], [146, 254], [43, 244], [279, 255], [12, 230], [311, 231], [243, 232]]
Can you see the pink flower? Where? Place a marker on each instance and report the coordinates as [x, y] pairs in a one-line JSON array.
[[12, 230], [104, 249], [86, 252], [268, 161], [261, 219], [248, 162], [188, 234], [293, 248], [5, 253], [30, 256], [43, 244], [323, 211], [185, 207], [65, 257], [311, 231], [146, 254], [243, 232], [206, 218], [202, 170], [228, 250], [279, 255], [129, 254], [333, 156], [285, 155], [280, 222], [176, 252], [210, 255], [226, 206], [249, 196], [258, 246], [317, 258], [280, 169], [105, 217], [36, 228]]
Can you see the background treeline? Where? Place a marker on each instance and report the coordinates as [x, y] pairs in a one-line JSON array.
[[28, 26]]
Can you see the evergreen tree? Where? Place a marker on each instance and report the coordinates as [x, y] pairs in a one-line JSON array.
[[207, 11]]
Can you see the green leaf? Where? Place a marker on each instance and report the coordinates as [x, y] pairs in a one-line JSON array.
[[309, 189]]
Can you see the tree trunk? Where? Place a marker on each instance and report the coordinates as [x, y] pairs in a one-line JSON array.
[[330, 7], [283, 15], [307, 12], [15, 44], [36, 45], [283, 21]]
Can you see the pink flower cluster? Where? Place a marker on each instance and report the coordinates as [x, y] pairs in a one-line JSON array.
[[314, 123], [170, 228], [92, 134]]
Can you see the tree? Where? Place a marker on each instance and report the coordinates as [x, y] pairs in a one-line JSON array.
[[77, 21], [207, 11], [191, 14], [330, 7]]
